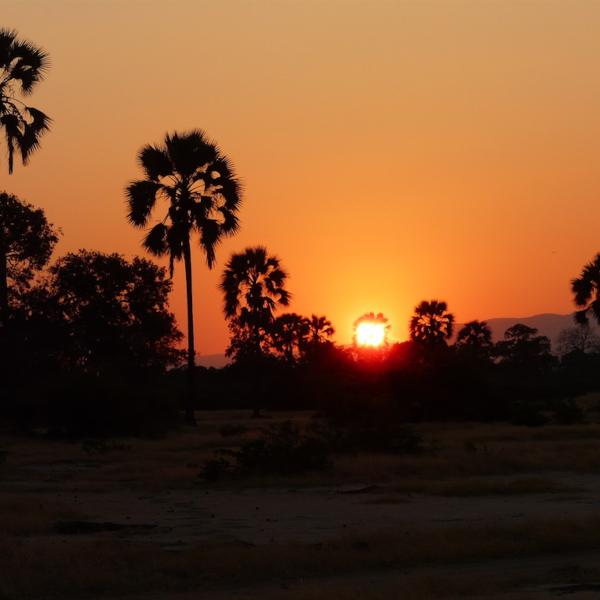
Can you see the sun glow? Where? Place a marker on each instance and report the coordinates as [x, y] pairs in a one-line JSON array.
[[370, 333]]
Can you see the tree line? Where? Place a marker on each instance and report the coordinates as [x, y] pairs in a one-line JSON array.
[[96, 315]]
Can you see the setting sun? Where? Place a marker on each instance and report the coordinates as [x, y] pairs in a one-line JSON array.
[[370, 333]]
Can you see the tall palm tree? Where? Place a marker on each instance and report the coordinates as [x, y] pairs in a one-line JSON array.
[[22, 67], [320, 329], [586, 292], [201, 194], [431, 323], [253, 286]]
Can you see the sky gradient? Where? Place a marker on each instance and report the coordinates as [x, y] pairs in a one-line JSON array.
[[390, 151]]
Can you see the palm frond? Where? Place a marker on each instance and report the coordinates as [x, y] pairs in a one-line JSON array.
[[156, 240], [189, 151], [209, 238], [230, 223], [32, 131], [7, 39], [141, 198], [155, 162]]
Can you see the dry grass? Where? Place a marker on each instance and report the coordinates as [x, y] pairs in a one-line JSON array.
[[84, 568], [473, 487], [457, 451], [35, 563], [22, 514]]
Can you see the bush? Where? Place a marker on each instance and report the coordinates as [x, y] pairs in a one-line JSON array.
[[283, 449], [390, 439]]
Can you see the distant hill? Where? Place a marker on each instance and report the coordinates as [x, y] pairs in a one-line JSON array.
[[212, 360]]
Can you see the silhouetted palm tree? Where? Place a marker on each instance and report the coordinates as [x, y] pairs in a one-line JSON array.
[[431, 323], [22, 66], [201, 194], [475, 338], [253, 286], [320, 329], [288, 336], [586, 291], [475, 334]]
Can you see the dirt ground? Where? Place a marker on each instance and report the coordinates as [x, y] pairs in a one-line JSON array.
[[485, 511]]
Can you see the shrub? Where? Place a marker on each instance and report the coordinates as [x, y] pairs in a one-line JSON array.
[[283, 449], [390, 439]]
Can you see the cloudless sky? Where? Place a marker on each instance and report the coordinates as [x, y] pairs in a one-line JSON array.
[[390, 151]]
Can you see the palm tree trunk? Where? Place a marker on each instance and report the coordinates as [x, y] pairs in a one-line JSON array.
[[191, 352], [3, 293], [4, 345]]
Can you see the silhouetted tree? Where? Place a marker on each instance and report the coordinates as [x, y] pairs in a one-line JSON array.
[[523, 348], [580, 338], [107, 313], [431, 324], [586, 292], [202, 195], [475, 340], [320, 329], [253, 286], [288, 336], [26, 244], [22, 67]]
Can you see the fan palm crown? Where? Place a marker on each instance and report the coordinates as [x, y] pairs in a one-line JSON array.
[[431, 323], [199, 188], [586, 292], [22, 66]]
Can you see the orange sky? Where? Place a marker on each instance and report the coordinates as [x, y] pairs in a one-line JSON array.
[[390, 151]]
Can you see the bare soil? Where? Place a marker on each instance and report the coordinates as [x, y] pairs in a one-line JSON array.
[[487, 511]]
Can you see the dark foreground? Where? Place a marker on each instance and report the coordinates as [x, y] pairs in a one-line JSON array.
[[490, 511]]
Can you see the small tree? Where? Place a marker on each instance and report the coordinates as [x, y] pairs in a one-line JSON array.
[[475, 340], [320, 330], [253, 286], [288, 337], [580, 338], [26, 244], [110, 313], [524, 349]]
